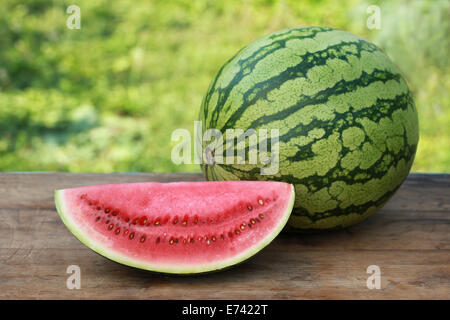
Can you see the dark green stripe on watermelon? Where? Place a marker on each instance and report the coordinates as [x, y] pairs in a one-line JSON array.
[[261, 89], [249, 63]]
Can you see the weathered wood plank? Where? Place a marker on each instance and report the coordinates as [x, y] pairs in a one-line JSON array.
[[409, 239], [40, 273]]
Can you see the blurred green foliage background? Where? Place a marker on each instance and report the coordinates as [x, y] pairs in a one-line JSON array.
[[108, 96]]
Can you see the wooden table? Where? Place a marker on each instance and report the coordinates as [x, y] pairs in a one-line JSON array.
[[409, 239]]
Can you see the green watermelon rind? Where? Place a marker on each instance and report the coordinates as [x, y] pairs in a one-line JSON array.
[[190, 269]]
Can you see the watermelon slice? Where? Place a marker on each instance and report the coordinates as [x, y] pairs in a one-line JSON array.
[[181, 227]]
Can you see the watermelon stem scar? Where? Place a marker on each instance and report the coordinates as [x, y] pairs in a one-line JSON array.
[[181, 227]]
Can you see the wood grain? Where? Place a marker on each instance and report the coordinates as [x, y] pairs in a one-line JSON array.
[[409, 239]]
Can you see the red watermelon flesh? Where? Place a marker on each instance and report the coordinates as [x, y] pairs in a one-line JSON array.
[[181, 227]]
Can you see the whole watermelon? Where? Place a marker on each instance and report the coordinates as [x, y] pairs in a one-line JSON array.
[[348, 126]]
